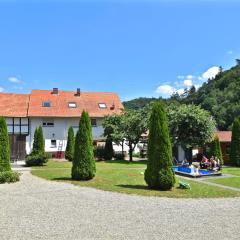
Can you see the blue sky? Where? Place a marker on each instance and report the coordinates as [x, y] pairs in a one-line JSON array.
[[135, 48]]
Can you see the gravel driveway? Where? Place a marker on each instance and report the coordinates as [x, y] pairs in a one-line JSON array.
[[38, 209]]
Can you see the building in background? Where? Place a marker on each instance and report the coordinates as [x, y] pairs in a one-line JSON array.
[[55, 111]]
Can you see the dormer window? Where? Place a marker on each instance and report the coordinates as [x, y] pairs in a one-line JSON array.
[[46, 104], [72, 105], [102, 105]]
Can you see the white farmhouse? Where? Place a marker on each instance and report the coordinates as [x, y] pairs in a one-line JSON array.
[[55, 111]]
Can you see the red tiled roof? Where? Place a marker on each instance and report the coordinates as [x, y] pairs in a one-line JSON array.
[[87, 101], [224, 136], [14, 105]]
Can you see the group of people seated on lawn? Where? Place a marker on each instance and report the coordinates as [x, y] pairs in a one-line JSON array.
[[213, 163]]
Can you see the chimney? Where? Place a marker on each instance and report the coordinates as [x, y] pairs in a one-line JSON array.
[[112, 107], [78, 93], [55, 91]]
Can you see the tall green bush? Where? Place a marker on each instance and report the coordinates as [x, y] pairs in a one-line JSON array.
[[69, 153], [235, 143], [4, 147], [216, 150], [83, 167], [108, 150], [38, 157], [41, 140], [38, 141], [35, 148], [159, 173]]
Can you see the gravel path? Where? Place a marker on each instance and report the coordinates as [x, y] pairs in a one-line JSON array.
[[38, 209]]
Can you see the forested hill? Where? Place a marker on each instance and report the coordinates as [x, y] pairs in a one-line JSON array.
[[220, 96], [138, 103]]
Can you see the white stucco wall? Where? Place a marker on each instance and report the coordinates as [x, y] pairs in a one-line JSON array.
[[58, 132]]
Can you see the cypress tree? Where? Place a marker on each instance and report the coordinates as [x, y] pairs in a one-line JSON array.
[[35, 142], [69, 153], [108, 150], [216, 150], [4, 147], [41, 141], [38, 141], [83, 167], [235, 143], [159, 173]]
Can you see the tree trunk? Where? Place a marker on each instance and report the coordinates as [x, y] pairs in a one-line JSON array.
[[122, 147], [130, 152]]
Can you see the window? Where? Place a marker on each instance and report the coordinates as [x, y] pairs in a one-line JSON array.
[[102, 105], [46, 104], [48, 123], [94, 122], [53, 143], [72, 105]]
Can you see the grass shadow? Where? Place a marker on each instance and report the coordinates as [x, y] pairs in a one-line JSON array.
[[63, 179], [139, 187]]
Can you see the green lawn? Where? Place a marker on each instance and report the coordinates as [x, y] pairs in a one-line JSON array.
[[124, 177], [232, 170], [231, 181]]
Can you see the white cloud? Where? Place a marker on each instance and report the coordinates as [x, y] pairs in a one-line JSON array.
[[165, 89], [197, 86], [1, 89], [190, 76], [180, 91], [188, 82], [14, 80], [210, 73], [180, 77], [230, 52]]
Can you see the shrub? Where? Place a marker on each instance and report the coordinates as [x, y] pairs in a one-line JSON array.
[[159, 173], [9, 177], [137, 155], [4, 147], [108, 151], [119, 156], [83, 167], [235, 143], [99, 152], [69, 153], [37, 159]]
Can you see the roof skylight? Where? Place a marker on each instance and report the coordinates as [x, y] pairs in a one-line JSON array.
[[102, 105], [72, 105]]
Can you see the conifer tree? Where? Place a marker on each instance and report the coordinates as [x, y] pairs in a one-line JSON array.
[[4, 147], [41, 140], [69, 153], [159, 173], [38, 141], [83, 167], [216, 150], [235, 143], [35, 142], [108, 150]]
